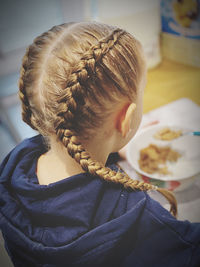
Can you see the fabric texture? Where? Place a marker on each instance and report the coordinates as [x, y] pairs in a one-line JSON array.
[[85, 221]]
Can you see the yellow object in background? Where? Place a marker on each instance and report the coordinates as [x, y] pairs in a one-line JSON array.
[[185, 11], [181, 31], [170, 81]]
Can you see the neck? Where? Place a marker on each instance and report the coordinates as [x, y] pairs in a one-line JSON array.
[[57, 164]]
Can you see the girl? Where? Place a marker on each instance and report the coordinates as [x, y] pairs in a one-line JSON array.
[[61, 204]]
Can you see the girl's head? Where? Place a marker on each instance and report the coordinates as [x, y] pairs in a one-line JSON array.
[[74, 75], [73, 78]]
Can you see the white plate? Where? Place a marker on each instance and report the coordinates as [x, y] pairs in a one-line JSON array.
[[188, 146]]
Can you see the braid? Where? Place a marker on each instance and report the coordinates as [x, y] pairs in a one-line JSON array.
[[71, 101], [76, 151], [26, 110], [71, 98], [28, 73]]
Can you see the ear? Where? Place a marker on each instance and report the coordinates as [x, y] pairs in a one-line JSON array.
[[124, 117]]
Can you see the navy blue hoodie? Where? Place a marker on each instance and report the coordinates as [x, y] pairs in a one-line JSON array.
[[85, 221]]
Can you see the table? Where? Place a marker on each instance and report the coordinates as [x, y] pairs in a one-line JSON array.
[[171, 81]]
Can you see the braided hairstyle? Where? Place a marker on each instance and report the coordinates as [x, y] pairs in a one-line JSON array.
[[68, 76]]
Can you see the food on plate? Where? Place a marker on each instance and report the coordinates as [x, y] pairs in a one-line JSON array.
[[153, 159], [167, 134]]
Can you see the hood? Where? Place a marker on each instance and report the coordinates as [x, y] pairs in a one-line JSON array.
[[80, 218], [85, 221]]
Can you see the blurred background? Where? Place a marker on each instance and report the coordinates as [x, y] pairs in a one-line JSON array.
[[169, 31]]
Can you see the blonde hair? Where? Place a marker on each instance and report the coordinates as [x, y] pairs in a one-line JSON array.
[[68, 76]]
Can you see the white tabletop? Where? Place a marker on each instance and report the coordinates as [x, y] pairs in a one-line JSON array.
[[182, 112]]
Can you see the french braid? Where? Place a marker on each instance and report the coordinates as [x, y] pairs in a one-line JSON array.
[[72, 99], [77, 151], [26, 110], [28, 70]]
